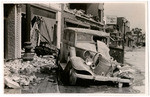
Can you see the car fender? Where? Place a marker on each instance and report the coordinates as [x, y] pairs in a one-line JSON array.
[[78, 64]]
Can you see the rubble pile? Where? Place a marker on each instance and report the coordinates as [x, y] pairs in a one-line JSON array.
[[18, 73], [124, 71], [82, 13]]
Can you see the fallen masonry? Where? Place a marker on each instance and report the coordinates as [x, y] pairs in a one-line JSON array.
[[18, 74]]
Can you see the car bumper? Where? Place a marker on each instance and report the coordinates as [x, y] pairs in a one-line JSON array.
[[102, 78]]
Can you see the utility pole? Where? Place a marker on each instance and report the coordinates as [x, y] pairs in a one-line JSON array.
[[124, 26]]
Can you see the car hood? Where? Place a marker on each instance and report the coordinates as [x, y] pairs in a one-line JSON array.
[[103, 50]]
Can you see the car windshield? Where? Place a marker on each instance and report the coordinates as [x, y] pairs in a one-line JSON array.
[[81, 37], [85, 41], [98, 46], [87, 46], [89, 41]]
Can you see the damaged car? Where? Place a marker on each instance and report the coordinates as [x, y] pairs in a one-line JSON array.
[[85, 55]]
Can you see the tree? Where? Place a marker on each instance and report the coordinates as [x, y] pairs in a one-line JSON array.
[[138, 32]]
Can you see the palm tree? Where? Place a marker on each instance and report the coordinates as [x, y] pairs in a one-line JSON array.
[[138, 32]]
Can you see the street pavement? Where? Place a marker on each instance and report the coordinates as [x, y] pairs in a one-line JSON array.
[[136, 58]]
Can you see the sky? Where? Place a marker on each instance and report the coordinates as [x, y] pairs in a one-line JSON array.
[[133, 12]]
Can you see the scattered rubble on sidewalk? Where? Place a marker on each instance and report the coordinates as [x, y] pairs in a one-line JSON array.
[[18, 73]]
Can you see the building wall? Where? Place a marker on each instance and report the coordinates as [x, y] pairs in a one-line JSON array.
[[96, 9], [12, 47], [124, 27], [55, 6], [11, 34], [50, 11], [92, 9], [121, 25]]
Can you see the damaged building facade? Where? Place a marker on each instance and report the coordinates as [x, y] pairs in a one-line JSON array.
[[49, 22], [83, 15], [124, 27], [44, 24], [118, 28]]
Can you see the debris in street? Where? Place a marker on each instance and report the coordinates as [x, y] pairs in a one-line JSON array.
[[18, 73], [125, 71]]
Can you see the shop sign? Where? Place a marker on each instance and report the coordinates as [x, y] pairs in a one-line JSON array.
[[111, 20]]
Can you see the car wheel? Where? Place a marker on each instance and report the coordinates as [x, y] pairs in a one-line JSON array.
[[72, 78]]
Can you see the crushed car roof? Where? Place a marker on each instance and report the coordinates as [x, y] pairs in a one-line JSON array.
[[88, 31]]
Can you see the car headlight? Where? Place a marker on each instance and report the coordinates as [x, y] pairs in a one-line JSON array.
[[88, 61], [92, 66], [86, 54]]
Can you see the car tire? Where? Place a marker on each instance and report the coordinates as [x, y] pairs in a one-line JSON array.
[[72, 78]]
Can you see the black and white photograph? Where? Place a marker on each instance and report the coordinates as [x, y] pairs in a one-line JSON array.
[[75, 48]]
